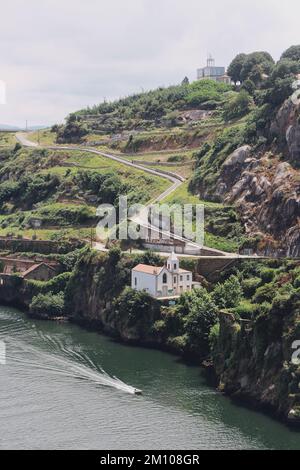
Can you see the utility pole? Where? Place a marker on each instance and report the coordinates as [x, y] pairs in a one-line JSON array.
[[26, 125]]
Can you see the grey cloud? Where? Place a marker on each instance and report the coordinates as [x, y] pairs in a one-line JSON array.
[[59, 55]]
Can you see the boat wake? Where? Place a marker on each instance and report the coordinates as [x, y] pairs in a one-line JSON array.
[[63, 361]]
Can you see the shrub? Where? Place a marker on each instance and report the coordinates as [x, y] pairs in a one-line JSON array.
[[214, 336], [228, 294], [202, 315], [172, 320], [250, 285], [246, 310], [54, 286], [238, 106], [265, 293], [47, 305], [267, 275], [17, 147], [282, 303], [178, 343], [136, 310], [175, 158], [297, 282], [206, 90], [73, 131], [285, 68], [159, 326]]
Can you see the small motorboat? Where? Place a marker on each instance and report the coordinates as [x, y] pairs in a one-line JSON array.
[[137, 391]]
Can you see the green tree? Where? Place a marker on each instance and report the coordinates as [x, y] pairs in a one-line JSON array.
[[285, 68], [73, 131], [249, 86], [202, 315], [114, 255], [150, 258], [136, 311], [255, 65], [292, 53], [280, 90], [18, 147], [228, 294], [235, 68]]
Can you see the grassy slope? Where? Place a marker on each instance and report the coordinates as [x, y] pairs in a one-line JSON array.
[[154, 141], [66, 166], [184, 196], [7, 139], [44, 136]]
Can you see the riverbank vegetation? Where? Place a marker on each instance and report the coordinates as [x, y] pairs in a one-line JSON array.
[[242, 325]]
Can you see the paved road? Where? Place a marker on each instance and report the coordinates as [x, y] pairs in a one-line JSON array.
[[22, 138], [140, 218]]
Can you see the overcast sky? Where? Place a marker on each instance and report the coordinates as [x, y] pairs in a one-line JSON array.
[[57, 56]]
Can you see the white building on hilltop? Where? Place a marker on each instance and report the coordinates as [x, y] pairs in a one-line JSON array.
[[162, 282], [211, 72]]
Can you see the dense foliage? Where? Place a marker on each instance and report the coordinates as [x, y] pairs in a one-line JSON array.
[[149, 109], [48, 305], [73, 131]]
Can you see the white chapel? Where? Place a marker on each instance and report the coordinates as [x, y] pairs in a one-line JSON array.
[[162, 282]]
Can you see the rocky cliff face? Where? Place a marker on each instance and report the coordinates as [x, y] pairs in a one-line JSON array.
[[253, 362], [286, 126], [265, 185], [92, 295]]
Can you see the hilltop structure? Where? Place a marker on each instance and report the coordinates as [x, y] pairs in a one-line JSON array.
[[168, 281], [212, 72]]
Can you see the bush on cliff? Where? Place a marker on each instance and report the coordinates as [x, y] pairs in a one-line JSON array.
[[297, 282], [54, 286], [228, 294], [250, 285], [199, 314], [267, 275], [238, 106], [47, 305], [265, 293], [135, 314]]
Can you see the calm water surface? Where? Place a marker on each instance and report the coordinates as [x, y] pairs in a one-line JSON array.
[[65, 388]]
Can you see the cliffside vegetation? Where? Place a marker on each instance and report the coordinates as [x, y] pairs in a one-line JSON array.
[[62, 190], [239, 148], [248, 164], [202, 124], [253, 348], [244, 325]]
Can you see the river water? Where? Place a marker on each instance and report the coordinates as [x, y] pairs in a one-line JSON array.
[[58, 391]]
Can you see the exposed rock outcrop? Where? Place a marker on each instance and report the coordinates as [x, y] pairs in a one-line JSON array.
[[266, 193], [253, 362], [286, 126]]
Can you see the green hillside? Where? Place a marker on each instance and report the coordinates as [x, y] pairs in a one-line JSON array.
[[192, 130], [63, 189]]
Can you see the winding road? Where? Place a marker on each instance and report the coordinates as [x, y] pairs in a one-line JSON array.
[[142, 217]]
